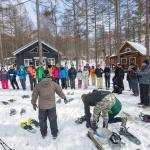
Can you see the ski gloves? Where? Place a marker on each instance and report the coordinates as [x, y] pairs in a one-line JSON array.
[[65, 101], [34, 106]]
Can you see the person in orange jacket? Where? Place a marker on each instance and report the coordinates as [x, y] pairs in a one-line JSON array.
[[93, 75], [31, 71]]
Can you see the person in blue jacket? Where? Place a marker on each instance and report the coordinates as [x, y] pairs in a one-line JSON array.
[[12, 73], [63, 74], [22, 73]]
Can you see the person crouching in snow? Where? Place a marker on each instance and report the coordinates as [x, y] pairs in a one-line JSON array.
[[106, 103], [46, 90], [22, 73], [4, 78], [85, 76]]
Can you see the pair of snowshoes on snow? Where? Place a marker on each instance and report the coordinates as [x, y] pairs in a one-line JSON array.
[[14, 112], [7, 102], [28, 125]]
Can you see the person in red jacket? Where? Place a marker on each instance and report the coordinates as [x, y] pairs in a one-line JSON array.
[[56, 73]]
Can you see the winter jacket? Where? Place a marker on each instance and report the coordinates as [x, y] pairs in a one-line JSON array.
[[63, 73], [119, 73], [92, 71], [144, 75], [22, 73], [99, 72], [133, 74], [85, 74], [4, 75], [39, 72], [56, 73], [107, 72], [72, 73], [30, 71], [46, 90], [79, 75], [109, 105], [12, 74]]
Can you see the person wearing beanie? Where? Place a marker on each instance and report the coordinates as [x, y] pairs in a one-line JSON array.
[[44, 92], [144, 83]]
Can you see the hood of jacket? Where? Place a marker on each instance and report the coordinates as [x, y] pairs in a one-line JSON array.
[[46, 82]]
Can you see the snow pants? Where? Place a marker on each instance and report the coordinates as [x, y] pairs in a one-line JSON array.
[[85, 82], [93, 78], [63, 83], [135, 87], [14, 83], [72, 83], [52, 116], [99, 82], [32, 82], [144, 94], [129, 82], [4, 84], [107, 82], [23, 83]]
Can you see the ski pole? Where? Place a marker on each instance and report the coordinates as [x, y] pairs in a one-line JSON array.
[[3, 143]]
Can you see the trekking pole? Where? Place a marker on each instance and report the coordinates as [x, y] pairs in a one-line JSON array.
[[5, 145]]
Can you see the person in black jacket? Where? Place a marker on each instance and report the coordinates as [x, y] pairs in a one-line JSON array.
[[12, 73], [118, 79], [107, 77], [134, 80], [72, 76], [99, 75]]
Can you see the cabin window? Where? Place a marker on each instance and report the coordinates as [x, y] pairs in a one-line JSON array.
[[123, 60], [27, 62], [127, 49], [132, 60], [51, 61]]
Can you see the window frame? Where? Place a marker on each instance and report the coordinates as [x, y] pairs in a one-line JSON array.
[[29, 60], [122, 60]]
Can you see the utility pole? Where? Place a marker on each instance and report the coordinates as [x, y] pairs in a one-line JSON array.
[[1, 48], [38, 28]]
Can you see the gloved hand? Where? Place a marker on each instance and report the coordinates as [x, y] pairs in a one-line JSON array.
[[34, 106], [94, 125], [65, 101]]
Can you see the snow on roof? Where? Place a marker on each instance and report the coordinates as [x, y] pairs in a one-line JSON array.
[[31, 43], [139, 47]]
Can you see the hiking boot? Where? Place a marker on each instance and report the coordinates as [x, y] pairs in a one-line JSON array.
[[44, 135], [140, 103], [124, 121], [55, 136]]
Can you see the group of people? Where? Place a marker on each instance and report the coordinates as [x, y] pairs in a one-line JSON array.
[[58, 73]]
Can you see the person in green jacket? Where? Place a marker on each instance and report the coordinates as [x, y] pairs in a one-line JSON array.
[[39, 72], [106, 104]]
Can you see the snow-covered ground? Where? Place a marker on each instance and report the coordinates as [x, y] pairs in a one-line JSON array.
[[71, 136]]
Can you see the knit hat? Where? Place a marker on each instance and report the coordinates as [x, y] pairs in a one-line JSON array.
[[146, 62], [46, 74]]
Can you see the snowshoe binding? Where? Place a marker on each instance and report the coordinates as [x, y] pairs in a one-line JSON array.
[[12, 100], [25, 96], [23, 111], [33, 122], [4, 102], [12, 112], [144, 117]]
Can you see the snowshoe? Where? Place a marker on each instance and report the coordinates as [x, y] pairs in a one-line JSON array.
[[80, 120], [12, 100], [144, 117], [70, 99], [25, 96], [33, 122], [27, 127], [23, 111], [5, 103], [124, 131], [12, 112]]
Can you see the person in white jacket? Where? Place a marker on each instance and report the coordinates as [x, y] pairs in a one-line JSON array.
[[85, 75], [79, 77]]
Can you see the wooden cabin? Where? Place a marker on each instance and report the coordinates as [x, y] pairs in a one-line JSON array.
[[132, 53], [29, 53]]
